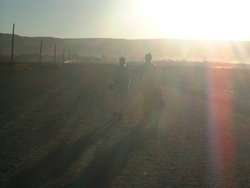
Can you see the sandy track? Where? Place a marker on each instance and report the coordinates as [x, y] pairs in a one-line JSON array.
[[57, 131]]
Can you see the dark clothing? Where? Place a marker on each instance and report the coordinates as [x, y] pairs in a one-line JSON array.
[[121, 77], [148, 77], [120, 80], [149, 88]]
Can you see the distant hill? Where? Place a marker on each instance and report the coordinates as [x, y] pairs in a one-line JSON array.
[[197, 50]]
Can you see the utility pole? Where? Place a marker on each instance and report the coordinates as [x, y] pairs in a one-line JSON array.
[[55, 54], [74, 57], [69, 55], [12, 45], [63, 55], [41, 48]]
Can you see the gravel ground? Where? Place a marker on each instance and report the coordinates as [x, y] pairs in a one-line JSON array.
[[57, 130]]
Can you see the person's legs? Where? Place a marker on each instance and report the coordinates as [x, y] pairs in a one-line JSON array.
[[120, 101], [149, 103], [124, 101], [115, 103]]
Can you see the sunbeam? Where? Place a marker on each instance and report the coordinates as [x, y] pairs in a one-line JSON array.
[[220, 135]]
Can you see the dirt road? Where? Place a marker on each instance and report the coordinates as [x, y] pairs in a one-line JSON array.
[[57, 130]]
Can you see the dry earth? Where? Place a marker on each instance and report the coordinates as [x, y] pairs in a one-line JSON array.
[[57, 129]]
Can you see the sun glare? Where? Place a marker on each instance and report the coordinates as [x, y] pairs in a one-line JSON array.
[[196, 19]]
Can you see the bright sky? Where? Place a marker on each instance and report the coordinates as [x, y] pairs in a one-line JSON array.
[[131, 19]]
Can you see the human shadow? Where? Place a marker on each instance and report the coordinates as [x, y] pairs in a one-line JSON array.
[[107, 164], [59, 159]]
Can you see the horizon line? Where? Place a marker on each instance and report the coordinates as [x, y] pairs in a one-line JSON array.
[[118, 38]]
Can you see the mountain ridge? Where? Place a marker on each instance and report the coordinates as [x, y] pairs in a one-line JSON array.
[[198, 50]]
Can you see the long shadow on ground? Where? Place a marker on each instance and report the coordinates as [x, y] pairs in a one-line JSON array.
[[107, 164], [58, 160]]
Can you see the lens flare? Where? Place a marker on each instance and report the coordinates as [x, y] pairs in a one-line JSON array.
[[220, 135]]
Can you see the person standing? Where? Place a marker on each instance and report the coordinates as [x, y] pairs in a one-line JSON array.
[[119, 83], [150, 87]]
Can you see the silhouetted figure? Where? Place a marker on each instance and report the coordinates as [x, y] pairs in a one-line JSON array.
[[119, 83], [150, 87]]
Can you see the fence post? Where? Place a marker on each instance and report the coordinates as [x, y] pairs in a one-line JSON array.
[[55, 54], [12, 45], [41, 47], [63, 55], [69, 56]]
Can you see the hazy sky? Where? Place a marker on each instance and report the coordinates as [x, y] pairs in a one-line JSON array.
[[190, 19]]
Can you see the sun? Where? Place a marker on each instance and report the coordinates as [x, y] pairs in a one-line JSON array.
[[196, 19]]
